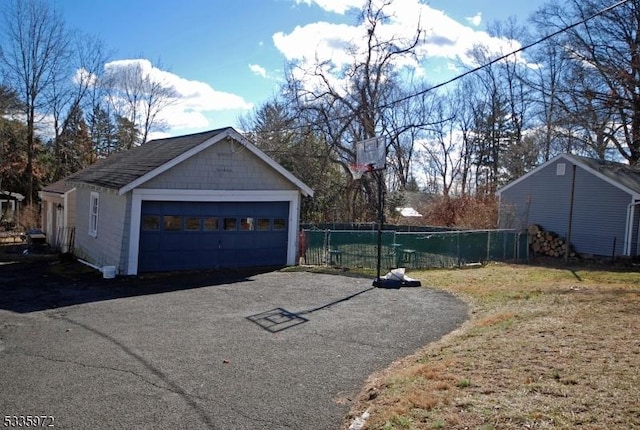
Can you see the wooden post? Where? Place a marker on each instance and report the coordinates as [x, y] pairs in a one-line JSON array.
[[613, 251]]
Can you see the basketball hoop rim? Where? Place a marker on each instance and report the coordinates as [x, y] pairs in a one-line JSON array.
[[357, 170]]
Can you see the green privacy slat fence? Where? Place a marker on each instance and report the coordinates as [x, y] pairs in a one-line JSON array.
[[358, 248]]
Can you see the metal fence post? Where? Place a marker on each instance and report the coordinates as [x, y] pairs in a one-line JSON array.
[[326, 246], [488, 244], [458, 247]]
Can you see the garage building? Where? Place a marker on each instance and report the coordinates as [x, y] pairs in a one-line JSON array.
[[200, 201]]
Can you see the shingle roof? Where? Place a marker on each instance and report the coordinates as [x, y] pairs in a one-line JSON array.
[[621, 173], [58, 187], [122, 168]]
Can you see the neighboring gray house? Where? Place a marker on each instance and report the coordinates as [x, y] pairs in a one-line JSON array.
[[9, 205], [594, 204], [200, 201], [58, 214]]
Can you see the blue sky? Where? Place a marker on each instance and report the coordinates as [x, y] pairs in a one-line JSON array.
[[227, 56]]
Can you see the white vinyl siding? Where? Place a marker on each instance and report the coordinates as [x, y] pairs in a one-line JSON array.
[[94, 206]]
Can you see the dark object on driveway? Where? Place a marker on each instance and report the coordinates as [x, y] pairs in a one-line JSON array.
[[36, 237], [36, 241], [396, 278]]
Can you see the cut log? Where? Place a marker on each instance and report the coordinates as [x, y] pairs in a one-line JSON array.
[[548, 243]]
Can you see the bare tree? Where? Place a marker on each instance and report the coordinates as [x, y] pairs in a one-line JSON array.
[[67, 96], [32, 59], [405, 125], [277, 131], [139, 95], [514, 74], [546, 82], [604, 52], [347, 105], [441, 145], [464, 122]]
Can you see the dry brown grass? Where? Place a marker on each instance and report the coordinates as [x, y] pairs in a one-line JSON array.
[[543, 349]]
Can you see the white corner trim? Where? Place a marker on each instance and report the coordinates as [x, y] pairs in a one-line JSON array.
[[94, 232], [134, 236], [294, 218], [628, 233]]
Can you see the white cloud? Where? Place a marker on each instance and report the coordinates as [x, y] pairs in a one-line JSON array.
[[320, 40], [194, 98], [336, 6], [84, 77], [475, 20], [258, 70], [333, 44]]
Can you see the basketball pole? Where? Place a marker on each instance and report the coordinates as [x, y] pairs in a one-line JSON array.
[[380, 226], [372, 154]]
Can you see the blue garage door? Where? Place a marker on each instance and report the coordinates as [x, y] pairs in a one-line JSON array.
[[210, 235]]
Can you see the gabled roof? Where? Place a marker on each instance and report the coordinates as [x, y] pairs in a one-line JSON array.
[[622, 174], [127, 170], [619, 175], [8, 195], [58, 187]]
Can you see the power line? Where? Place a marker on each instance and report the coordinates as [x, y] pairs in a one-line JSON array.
[[468, 72], [504, 57]]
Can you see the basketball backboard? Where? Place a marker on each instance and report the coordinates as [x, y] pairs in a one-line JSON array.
[[372, 153]]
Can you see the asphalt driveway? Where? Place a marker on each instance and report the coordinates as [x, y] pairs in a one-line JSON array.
[[273, 350]]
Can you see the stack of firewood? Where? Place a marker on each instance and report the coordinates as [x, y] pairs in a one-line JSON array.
[[548, 243]]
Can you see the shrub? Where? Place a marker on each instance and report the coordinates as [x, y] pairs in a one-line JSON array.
[[28, 217], [472, 212]]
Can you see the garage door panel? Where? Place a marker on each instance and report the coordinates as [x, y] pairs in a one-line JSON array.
[[179, 241], [269, 255], [151, 241], [192, 235]]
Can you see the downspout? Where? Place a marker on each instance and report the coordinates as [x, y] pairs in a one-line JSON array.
[[628, 235], [93, 266]]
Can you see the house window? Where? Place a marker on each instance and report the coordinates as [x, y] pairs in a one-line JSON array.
[[246, 224], [192, 223], [264, 224], [560, 169], [279, 224], [151, 223], [94, 204], [171, 223], [210, 224], [229, 224]]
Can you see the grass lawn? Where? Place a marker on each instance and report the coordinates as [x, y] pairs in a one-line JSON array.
[[544, 348]]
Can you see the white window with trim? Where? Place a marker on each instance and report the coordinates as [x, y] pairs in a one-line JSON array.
[[94, 203]]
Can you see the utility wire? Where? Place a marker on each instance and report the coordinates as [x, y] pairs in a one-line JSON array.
[[468, 72], [503, 57]]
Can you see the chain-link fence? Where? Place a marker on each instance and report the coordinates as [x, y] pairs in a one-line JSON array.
[[418, 250]]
